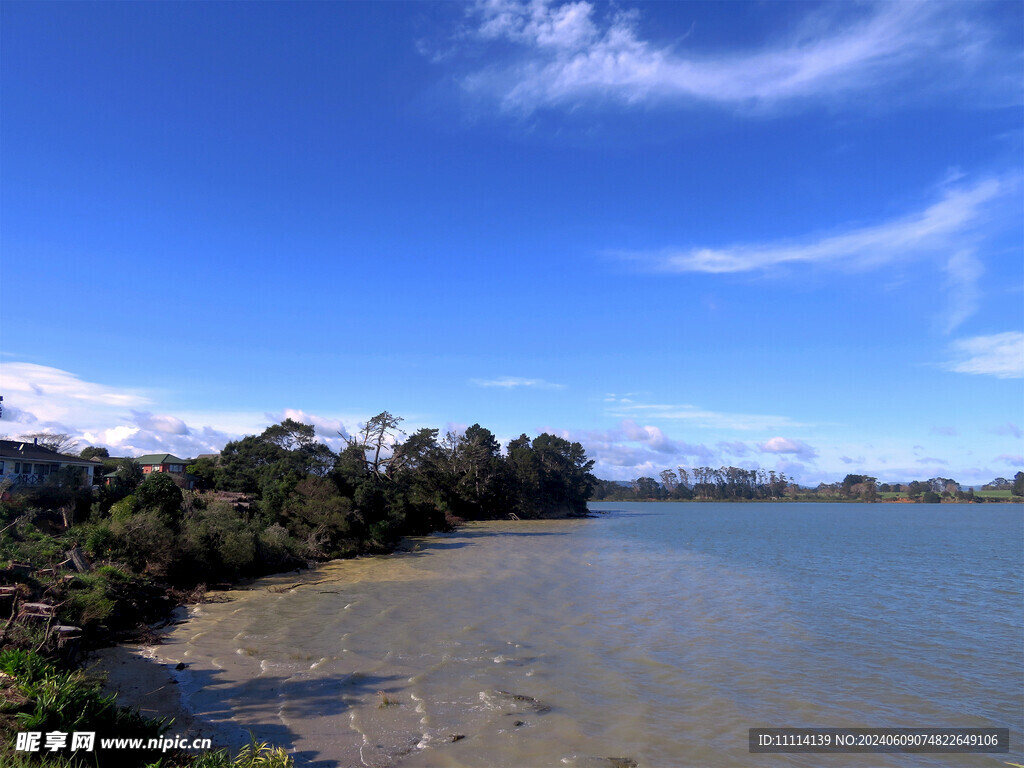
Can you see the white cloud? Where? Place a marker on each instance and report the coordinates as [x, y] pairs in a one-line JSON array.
[[934, 230], [786, 445], [50, 394], [653, 437], [167, 425], [1000, 355], [567, 53], [111, 438], [38, 397], [513, 382]]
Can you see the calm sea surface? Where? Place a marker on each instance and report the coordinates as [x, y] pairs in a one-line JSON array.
[[655, 632]]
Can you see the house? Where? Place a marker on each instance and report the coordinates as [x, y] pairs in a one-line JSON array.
[[25, 463], [161, 462]]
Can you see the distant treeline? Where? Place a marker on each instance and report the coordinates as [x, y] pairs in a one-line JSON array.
[[700, 483], [737, 484]]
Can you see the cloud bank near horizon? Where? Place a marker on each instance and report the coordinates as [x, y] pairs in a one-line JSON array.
[[132, 422]]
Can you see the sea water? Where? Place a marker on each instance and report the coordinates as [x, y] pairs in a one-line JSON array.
[[652, 633]]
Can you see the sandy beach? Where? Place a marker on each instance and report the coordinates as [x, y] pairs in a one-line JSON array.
[[142, 681]]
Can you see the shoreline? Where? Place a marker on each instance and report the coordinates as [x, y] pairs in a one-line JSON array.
[[144, 675], [144, 680]]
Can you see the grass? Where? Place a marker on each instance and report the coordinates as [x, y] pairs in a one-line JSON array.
[[254, 755], [994, 494], [36, 695]]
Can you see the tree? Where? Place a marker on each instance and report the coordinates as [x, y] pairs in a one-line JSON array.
[[851, 480], [375, 435], [480, 476], [317, 515], [524, 476], [94, 452], [669, 481], [647, 488], [916, 488], [60, 442], [159, 492], [1018, 484], [204, 471], [415, 454], [565, 479], [269, 465], [290, 435], [127, 476]]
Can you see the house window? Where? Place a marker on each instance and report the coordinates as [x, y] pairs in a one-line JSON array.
[[1, 467], [17, 467]]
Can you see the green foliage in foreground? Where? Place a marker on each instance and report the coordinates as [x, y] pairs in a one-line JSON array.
[[254, 755], [40, 696]]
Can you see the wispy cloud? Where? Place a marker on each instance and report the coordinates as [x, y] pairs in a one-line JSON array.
[[1011, 459], [699, 417], [1000, 355], [947, 231], [514, 382], [963, 270], [568, 53], [932, 230], [1010, 429]]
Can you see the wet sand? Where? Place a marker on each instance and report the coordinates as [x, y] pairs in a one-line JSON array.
[[143, 682]]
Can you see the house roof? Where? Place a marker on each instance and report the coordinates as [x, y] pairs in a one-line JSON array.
[[24, 451], [159, 458]]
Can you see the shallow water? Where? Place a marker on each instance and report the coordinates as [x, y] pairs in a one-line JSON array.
[[656, 632]]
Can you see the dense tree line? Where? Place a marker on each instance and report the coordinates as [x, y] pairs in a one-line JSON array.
[[699, 483], [736, 484], [281, 498]]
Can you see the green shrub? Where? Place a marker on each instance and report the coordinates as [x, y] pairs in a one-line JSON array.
[[159, 492], [124, 509], [276, 549], [146, 542]]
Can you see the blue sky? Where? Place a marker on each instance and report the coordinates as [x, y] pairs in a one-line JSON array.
[[779, 235]]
